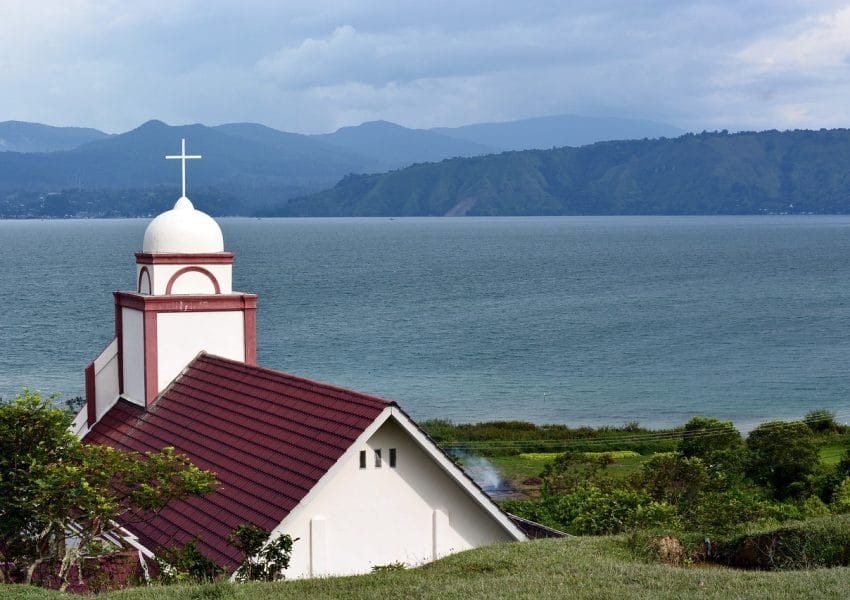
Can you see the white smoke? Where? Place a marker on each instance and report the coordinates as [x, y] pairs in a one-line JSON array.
[[481, 471]]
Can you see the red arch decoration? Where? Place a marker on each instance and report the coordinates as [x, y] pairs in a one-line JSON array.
[[144, 271], [201, 270]]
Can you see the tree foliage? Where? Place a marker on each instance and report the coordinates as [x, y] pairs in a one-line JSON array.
[[185, 564], [782, 454], [55, 487], [265, 560]]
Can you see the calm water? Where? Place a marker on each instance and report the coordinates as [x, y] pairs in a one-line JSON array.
[[595, 320]]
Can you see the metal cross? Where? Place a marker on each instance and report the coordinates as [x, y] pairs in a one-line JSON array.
[[183, 157]]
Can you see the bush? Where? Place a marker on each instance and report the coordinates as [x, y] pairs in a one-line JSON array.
[[185, 564], [841, 499], [673, 479], [723, 512], [782, 455], [591, 510], [265, 560], [816, 543], [822, 421], [704, 436]]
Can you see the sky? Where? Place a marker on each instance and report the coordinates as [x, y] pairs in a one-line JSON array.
[[311, 66]]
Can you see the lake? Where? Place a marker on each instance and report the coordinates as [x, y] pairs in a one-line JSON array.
[[577, 320]]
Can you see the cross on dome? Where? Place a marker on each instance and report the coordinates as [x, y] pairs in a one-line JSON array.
[[182, 157]]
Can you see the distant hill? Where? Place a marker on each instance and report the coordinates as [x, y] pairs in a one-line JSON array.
[[245, 166], [709, 173], [396, 146], [19, 136], [556, 131]]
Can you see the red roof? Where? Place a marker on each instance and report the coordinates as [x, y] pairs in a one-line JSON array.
[[268, 437]]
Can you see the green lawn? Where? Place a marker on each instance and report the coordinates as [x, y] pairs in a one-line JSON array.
[[520, 467], [567, 568], [831, 455]]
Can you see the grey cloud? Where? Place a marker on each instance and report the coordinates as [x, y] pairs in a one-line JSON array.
[[313, 66]]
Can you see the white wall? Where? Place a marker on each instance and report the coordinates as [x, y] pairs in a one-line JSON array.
[[375, 516], [106, 379], [133, 354], [194, 282], [181, 335]]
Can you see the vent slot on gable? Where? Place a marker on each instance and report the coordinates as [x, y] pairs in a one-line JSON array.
[[378, 458], [362, 459], [392, 458]]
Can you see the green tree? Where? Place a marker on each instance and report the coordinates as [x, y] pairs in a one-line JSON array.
[[719, 445], [33, 436], [821, 421], [674, 479], [782, 455], [264, 560], [569, 470], [53, 486]]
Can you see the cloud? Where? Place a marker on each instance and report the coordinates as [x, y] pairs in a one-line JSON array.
[[314, 66]]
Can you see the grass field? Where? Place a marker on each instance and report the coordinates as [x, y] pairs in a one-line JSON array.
[[832, 454], [517, 468], [520, 467], [567, 568]]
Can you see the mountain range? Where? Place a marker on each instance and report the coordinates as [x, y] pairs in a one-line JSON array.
[[20, 136], [383, 169], [247, 167], [708, 173]]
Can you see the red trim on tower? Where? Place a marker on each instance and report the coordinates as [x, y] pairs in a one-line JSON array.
[[185, 302], [151, 359], [192, 269], [91, 396], [250, 334], [119, 335], [144, 271], [212, 258]]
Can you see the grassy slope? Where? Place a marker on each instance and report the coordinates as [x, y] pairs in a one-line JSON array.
[[569, 568]]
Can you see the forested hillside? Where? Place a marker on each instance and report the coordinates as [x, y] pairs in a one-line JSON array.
[[709, 173]]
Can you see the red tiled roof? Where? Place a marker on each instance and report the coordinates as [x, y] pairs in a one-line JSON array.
[[268, 437]]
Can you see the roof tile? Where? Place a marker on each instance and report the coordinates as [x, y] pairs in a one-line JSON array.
[[268, 436]]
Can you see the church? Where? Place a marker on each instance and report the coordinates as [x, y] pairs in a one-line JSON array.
[[350, 475]]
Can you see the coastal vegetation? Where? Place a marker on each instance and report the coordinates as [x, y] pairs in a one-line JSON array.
[[703, 479], [647, 505]]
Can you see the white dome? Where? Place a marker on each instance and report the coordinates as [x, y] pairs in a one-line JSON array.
[[183, 230]]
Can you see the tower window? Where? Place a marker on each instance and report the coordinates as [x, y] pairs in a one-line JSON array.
[[378, 458], [392, 458], [362, 459]]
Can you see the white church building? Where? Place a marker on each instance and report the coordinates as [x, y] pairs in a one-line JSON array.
[[348, 474]]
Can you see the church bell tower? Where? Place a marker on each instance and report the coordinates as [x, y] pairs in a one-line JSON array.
[[183, 304]]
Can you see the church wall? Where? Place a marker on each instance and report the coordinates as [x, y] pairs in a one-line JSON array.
[[181, 335], [133, 337], [412, 513], [161, 274], [106, 379]]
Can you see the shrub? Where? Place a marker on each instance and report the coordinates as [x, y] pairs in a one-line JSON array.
[[821, 542], [726, 511], [264, 560], [782, 455], [821, 421], [841, 499], [673, 479], [591, 510], [185, 564], [704, 436]]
